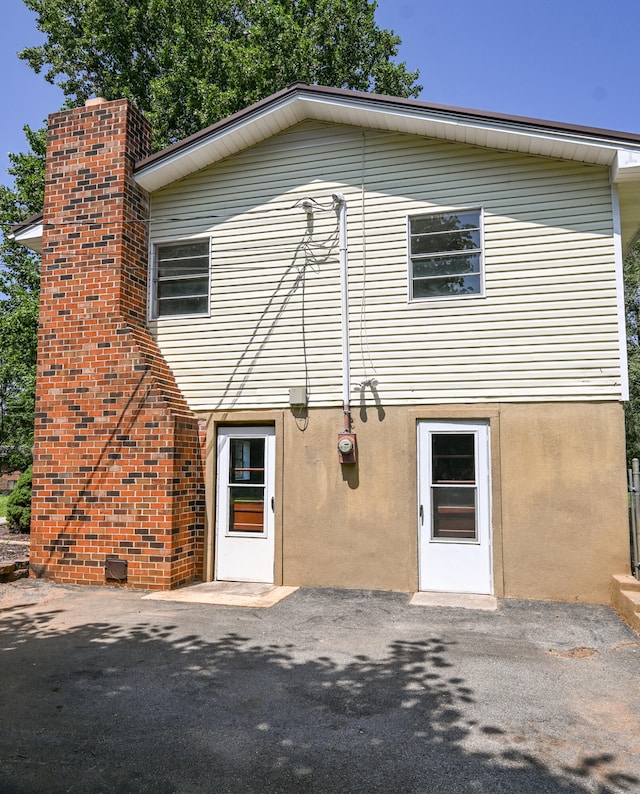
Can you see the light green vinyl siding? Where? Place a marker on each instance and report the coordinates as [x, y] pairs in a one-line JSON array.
[[546, 327]]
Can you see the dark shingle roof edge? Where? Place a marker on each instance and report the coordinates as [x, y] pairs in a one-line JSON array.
[[391, 102], [34, 220], [400, 103]]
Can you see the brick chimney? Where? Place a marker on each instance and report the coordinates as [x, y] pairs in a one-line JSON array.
[[118, 479]]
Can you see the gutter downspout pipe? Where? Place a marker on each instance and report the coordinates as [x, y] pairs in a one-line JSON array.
[[340, 204]]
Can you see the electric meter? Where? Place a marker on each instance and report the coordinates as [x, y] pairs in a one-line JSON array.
[[347, 447]]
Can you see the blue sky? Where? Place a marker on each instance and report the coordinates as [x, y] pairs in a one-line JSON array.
[[565, 60]]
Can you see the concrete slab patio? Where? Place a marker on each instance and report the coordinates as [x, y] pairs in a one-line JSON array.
[[231, 594], [326, 691], [461, 600]]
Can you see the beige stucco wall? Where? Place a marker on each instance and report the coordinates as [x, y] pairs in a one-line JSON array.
[[352, 526], [564, 516], [558, 497]]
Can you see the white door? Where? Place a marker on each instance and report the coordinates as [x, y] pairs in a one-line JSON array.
[[244, 505], [454, 512]]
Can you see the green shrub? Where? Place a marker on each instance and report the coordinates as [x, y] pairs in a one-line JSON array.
[[19, 504]]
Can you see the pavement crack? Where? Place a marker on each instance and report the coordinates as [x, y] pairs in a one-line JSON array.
[[574, 653]]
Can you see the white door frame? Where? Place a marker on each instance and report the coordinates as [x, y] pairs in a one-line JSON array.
[[455, 564], [244, 552]]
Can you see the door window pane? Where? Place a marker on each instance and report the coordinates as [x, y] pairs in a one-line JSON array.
[[453, 457], [453, 486], [246, 509], [453, 512], [246, 485], [246, 461]]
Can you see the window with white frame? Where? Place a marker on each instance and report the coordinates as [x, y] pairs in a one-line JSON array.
[[181, 279], [445, 251]]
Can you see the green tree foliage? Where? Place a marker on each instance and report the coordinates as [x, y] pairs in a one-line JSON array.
[[188, 63], [632, 307], [19, 504], [19, 277]]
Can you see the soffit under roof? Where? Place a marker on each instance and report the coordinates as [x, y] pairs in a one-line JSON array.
[[299, 103]]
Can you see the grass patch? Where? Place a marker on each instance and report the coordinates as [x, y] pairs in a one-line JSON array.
[[3, 506]]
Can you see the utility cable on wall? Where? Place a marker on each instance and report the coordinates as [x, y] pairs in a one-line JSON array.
[[315, 254], [216, 216]]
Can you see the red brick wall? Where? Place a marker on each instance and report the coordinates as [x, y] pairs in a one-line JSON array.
[[117, 464], [8, 482]]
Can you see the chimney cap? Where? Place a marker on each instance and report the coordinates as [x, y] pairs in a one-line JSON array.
[[93, 101]]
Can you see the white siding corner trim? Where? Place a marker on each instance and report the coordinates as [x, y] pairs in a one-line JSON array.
[[622, 325]]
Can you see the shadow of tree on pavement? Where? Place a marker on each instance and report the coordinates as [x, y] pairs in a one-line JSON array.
[[106, 707]]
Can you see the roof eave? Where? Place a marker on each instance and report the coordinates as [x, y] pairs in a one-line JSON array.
[[300, 102], [29, 234]]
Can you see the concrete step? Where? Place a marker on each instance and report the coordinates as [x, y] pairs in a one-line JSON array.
[[7, 568], [625, 597], [626, 582], [10, 571]]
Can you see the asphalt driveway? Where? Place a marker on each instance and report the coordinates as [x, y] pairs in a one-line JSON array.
[[327, 691]]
